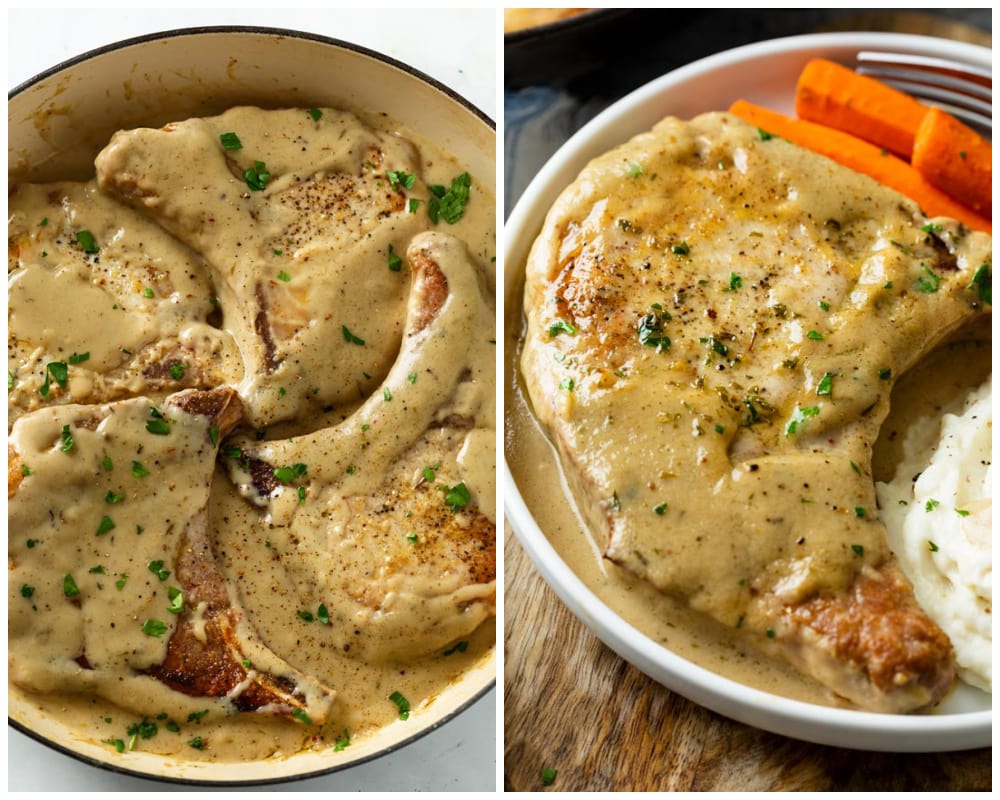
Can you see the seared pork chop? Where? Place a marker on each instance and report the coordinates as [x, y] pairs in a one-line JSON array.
[[715, 320], [293, 213], [102, 306], [381, 519], [115, 497]]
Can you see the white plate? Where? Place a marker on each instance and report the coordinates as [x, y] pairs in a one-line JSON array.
[[763, 73]]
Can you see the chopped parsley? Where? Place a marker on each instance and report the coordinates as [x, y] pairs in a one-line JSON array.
[[106, 526], [289, 474], [177, 371], [107, 463], [651, 333], [230, 141], [449, 204], [138, 470], [568, 384], [412, 205], [962, 512], [931, 504], [197, 743], [284, 277], [323, 614], [661, 509], [399, 180], [386, 394], [87, 242], [301, 716], [765, 136], [342, 742], [156, 567], [681, 249], [884, 374], [858, 550], [157, 424], [928, 283], [735, 282], [799, 418], [69, 586], [825, 306], [113, 498], [457, 496], [349, 337], [458, 647], [859, 512], [561, 326], [402, 704], [148, 292], [154, 627], [815, 335], [315, 113], [931, 546], [176, 605], [257, 176], [982, 282], [213, 435], [26, 590], [549, 776], [395, 262], [306, 616], [825, 386], [634, 169]]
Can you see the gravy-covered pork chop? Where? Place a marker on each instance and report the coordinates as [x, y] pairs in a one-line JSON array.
[[102, 306], [715, 319], [294, 212], [388, 519], [123, 587]]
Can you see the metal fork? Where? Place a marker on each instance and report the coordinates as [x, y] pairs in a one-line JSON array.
[[963, 90]]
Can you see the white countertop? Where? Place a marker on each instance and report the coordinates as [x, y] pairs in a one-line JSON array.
[[457, 47]]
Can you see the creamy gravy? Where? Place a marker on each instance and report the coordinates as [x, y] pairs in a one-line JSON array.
[[146, 302], [930, 389]]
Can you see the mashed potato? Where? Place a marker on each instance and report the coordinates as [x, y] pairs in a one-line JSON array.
[[938, 511]]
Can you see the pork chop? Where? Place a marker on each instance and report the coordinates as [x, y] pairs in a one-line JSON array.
[[384, 519], [715, 320], [293, 211], [102, 306], [112, 576]]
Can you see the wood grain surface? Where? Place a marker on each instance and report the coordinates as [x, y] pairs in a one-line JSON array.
[[572, 705]]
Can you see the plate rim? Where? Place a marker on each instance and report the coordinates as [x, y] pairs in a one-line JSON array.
[[848, 728]]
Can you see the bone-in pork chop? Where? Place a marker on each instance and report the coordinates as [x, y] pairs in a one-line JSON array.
[[383, 519], [293, 212], [114, 498], [102, 306], [715, 322]]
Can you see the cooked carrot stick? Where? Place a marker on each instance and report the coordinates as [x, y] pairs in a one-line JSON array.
[[838, 97], [861, 157], [956, 159]]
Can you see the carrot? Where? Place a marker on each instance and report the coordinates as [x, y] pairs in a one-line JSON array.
[[840, 98], [862, 157], [956, 159]]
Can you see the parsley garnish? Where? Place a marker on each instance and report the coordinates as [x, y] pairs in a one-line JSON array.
[[113, 498], [825, 386], [651, 331], [154, 627], [106, 525], [395, 262], [65, 439], [402, 704], [230, 141], [457, 496], [301, 716], [87, 242], [858, 550], [815, 335], [884, 374], [257, 176], [982, 281], [176, 605], [138, 470], [79, 358], [315, 113], [930, 505], [561, 326], [458, 647], [930, 283], [69, 586], [284, 277], [349, 337], [800, 417], [661, 509], [735, 282], [399, 179], [289, 474], [342, 742], [449, 204], [158, 424], [156, 567], [549, 776]]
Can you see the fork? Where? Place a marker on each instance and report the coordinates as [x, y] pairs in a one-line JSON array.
[[963, 90]]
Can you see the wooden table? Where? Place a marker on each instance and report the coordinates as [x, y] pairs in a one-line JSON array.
[[571, 704]]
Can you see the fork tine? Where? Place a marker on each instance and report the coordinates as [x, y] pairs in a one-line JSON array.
[[974, 75]]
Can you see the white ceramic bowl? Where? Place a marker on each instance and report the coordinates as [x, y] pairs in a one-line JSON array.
[[58, 122], [764, 73]]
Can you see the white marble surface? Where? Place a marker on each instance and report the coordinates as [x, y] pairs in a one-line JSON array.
[[458, 47]]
